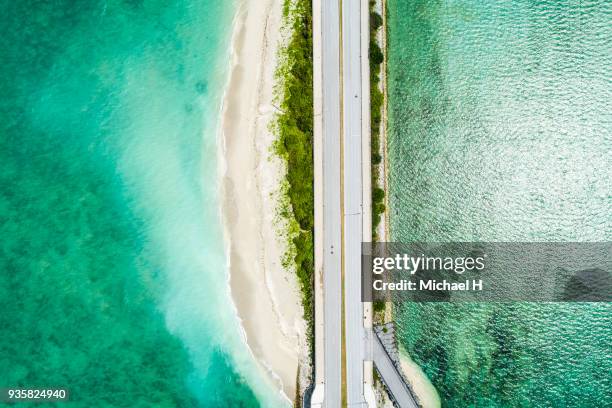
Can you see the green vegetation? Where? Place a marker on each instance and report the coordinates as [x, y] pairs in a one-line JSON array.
[[294, 144], [376, 104]]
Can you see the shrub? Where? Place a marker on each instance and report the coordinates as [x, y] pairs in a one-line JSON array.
[[376, 105], [295, 130]]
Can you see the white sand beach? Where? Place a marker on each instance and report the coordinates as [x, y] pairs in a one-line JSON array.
[[265, 293], [420, 384]]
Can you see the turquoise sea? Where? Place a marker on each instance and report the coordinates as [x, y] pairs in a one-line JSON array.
[[114, 281], [500, 130]]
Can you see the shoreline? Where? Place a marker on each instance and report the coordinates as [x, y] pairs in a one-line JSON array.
[[264, 292], [422, 387]]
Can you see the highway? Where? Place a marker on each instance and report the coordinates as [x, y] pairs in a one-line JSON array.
[[353, 207], [332, 238], [342, 208]]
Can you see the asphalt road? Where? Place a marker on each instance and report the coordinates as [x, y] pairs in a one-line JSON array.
[[344, 182], [395, 384], [332, 243], [353, 208]]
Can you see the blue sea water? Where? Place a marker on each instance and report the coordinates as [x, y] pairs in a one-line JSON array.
[[113, 276], [499, 130]]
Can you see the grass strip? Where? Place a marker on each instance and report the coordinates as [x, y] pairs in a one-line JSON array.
[[376, 59]]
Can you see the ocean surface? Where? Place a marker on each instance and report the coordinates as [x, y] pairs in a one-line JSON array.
[[500, 129], [113, 273]]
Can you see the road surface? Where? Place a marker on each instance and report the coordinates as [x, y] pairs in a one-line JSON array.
[[353, 208], [332, 239], [342, 187]]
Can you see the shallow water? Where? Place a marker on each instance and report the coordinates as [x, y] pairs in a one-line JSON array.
[[499, 130], [114, 281]]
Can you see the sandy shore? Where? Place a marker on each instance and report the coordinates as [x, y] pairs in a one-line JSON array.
[[266, 295], [420, 384]]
